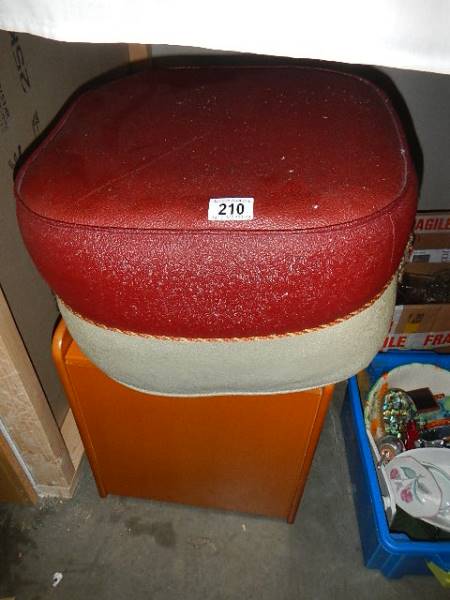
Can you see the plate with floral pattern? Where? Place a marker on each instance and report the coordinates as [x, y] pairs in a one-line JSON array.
[[415, 489], [437, 461]]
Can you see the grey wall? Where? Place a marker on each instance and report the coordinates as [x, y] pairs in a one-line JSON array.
[[427, 96]]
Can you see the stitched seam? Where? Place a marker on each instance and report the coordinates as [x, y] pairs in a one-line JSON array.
[[336, 227], [273, 336], [356, 223]]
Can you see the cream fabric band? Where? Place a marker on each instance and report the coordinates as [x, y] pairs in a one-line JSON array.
[[288, 363]]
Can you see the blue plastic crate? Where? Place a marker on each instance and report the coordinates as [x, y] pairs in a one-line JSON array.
[[394, 554]]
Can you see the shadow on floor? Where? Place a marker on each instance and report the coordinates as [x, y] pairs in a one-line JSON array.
[[123, 548]]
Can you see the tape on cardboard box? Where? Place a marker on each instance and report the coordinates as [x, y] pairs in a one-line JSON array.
[[433, 221]]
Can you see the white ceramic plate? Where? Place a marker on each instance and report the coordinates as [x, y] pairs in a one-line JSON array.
[[436, 456], [415, 489], [407, 377], [437, 461], [443, 481]]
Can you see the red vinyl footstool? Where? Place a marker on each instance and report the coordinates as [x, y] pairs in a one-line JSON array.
[[223, 230]]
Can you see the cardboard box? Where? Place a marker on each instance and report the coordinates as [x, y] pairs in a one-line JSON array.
[[432, 222], [37, 77], [422, 316], [419, 326], [431, 237], [431, 248]]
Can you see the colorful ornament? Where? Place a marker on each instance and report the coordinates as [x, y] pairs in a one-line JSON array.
[[397, 410]]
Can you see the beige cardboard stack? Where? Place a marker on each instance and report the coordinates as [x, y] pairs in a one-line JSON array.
[[37, 77]]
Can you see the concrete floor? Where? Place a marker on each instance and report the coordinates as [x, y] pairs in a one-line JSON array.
[[120, 548]]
